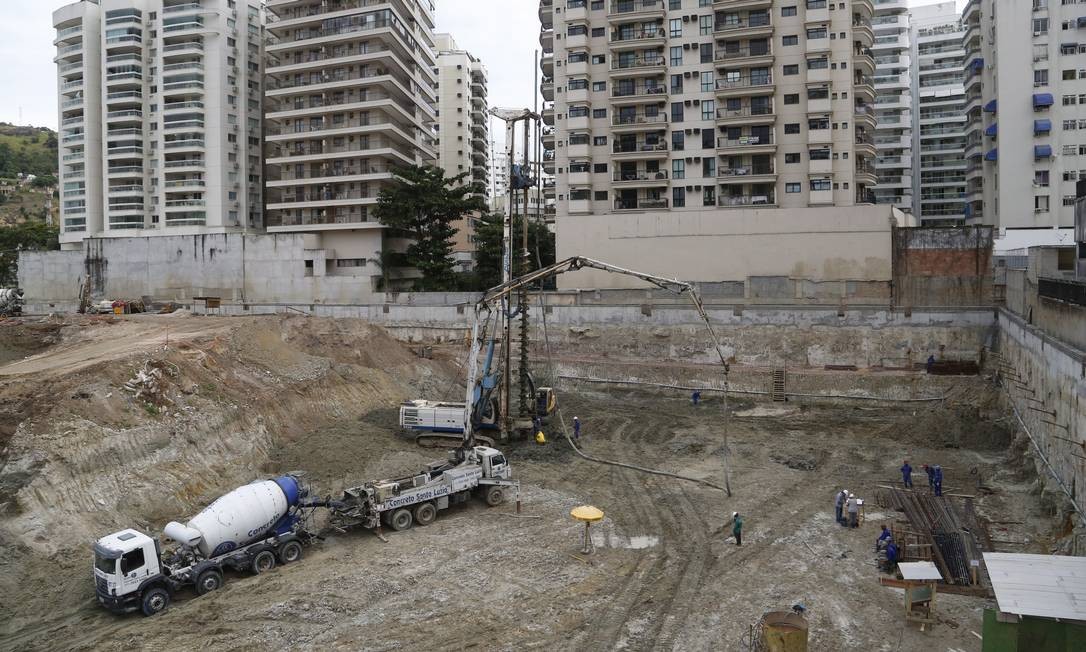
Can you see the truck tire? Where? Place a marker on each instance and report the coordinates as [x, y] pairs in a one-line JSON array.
[[494, 496], [263, 562], [208, 581], [155, 601], [400, 520], [290, 551], [425, 514]]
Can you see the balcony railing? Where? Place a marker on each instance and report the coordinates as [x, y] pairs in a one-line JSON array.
[[185, 7], [619, 36], [619, 119], [744, 141], [620, 90], [745, 200], [631, 6], [739, 53], [178, 47], [744, 171], [620, 63], [620, 147], [744, 82], [750, 22], [647, 203], [640, 175], [744, 112]]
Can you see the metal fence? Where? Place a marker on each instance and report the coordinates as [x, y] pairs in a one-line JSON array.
[[1062, 290]]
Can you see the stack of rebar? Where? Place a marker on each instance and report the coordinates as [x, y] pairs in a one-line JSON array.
[[956, 536]]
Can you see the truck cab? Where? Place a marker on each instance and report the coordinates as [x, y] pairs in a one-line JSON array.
[[125, 563], [493, 462]]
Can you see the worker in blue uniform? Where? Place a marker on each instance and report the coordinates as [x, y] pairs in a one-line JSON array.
[[938, 481], [884, 538], [892, 553], [576, 429], [695, 397], [907, 475]]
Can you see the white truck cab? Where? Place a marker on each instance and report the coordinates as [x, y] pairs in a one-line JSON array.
[[125, 563], [493, 462]]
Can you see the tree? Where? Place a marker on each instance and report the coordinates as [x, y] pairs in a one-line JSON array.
[[488, 254], [423, 203], [44, 181], [29, 236]]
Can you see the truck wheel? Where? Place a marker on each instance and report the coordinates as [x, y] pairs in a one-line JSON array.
[[400, 520], [263, 562], [290, 551], [155, 601], [425, 514], [494, 496], [208, 581]]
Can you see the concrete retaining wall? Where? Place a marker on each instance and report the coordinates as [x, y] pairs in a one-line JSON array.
[[943, 266], [1053, 378]]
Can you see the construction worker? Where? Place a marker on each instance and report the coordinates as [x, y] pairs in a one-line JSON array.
[[839, 506], [540, 438], [884, 538], [907, 475], [931, 478], [937, 482], [892, 554], [853, 511], [931, 363], [737, 528], [576, 428], [695, 397]]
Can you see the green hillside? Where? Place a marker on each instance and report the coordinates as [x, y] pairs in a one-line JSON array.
[[27, 150]]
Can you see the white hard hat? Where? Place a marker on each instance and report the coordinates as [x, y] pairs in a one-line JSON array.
[[576, 419], [734, 514], [852, 495]]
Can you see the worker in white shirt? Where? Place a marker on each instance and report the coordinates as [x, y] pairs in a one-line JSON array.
[[853, 511]]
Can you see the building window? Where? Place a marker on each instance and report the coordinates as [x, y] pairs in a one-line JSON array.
[[788, 11], [676, 83], [791, 157], [675, 28], [706, 52], [1040, 78], [599, 113], [1040, 26], [791, 98], [791, 128], [350, 262], [599, 168], [678, 196], [600, 195], [676, 111], [817, 33], [707, 83], [708, 165], [707, 141], [705, 26], [677, 55], [678, 141], [792, 188], [678, 169], [599, 58], [791, 69], [708, 109], [599, 31], [578, 111], [599, 86], [599, 140], [790, 39], [821, 184], [675, 4]]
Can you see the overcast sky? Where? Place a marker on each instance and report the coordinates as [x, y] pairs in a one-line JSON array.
[[503, 33]]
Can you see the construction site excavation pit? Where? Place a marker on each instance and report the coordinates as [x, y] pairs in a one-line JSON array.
[[107, 426]]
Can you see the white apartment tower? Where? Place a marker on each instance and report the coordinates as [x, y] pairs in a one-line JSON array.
[[893, 104], [684, 104], [350, 97], [462, 118], [939, 165], [1026, 85], [160, 117]]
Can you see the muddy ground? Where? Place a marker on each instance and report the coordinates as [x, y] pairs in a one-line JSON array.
[[246, 398]]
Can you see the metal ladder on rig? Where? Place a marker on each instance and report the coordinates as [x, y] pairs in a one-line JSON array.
[[777, 388]]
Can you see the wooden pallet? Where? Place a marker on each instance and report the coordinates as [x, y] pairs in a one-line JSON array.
[[777, 388]]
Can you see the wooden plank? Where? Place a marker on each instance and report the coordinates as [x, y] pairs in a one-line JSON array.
[[970, 591]]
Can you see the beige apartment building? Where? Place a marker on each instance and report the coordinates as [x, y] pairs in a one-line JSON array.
[[673, 105], [351, 96], [463, 134], [1025, 86]]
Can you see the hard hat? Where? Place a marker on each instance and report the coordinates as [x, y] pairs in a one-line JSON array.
[[734, 514], [576, 419], [852, 495]]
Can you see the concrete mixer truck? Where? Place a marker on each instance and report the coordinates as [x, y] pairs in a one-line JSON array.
[[250, 528]]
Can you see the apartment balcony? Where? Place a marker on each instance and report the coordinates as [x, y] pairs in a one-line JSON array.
[[634, 10], [626, 38], [865, 115], [546, 11], [760, 199], [862, 32], [184, 48], [547, 89], [863, 61], [371, 147], [626, 122], [865, 173], [322, 199], [579, 177], [820, 165], [648, 203], [627, 150], [178, 185], [746, 115], [69, 52], [865, 144], [820, 136], [124, 171], [129, 189], [748, 172], [546, 40], [638, 65], [548, 116], [68, 34], [748, 26], [548, 138], [576, 10], [323, 174], [744, 86], [744, 56], [818, 45], [638, 91], [638, 178], [819, 75], [864, 87], [134, 151], [746, 145], [817, 12], [546, 65]]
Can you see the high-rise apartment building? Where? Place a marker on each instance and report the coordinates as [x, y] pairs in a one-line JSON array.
[[351, 95], [462, 118], [893, 104], [685, 104], [1025, 84], [939, 142], [160, 121]]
